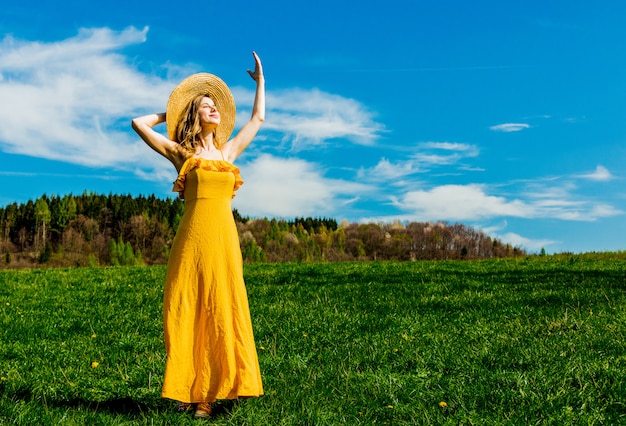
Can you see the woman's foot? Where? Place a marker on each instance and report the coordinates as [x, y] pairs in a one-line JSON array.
[[203, 410]]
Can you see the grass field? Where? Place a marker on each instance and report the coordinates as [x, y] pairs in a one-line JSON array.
[[519, 342]]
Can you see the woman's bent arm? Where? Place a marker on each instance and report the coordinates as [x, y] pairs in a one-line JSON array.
[[144, 127]]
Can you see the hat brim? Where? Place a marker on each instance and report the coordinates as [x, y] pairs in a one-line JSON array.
[[188, 90]]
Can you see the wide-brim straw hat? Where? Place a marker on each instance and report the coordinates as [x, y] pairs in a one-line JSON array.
[[188, 90]]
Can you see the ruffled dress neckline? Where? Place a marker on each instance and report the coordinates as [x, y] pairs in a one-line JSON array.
[[205, 164]]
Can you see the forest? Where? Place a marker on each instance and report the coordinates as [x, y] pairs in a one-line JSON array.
[[108, 230]]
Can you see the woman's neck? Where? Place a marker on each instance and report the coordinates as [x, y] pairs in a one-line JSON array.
[[206, 140]]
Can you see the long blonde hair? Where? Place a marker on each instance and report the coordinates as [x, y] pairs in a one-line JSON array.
[[189, 127]]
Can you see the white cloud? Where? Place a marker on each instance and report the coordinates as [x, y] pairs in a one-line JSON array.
[[601, 174], [517, 240], [430, 154], [471, 169], [509, 127], [386, 170], [604, 210], [283, 187], [548, 189], [308, 118], [444, 153], [473, 203], [72, 100], [436, 159], [459, 203], [450, 146]]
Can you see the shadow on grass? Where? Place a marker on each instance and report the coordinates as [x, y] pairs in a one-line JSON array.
[[126, 407], [123, 406]]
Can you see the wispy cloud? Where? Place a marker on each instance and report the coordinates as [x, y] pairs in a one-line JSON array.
[[600, 174], [444, 153], [428, 155], [309, 118], [509, 127], [531, 244], [72, 100], [58, 175], [474, 202], [386, 170], [516, 240]]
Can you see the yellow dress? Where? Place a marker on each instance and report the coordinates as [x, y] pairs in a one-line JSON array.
[[210, 347]]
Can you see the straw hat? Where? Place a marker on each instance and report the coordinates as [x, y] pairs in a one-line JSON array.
[[202, 84]]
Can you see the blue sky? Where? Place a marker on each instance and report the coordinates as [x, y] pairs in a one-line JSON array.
[[506, 116]]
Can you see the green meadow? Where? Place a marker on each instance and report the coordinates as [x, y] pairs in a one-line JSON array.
[[539, 340]]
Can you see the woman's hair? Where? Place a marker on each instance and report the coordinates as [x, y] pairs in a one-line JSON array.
[[189, 127]]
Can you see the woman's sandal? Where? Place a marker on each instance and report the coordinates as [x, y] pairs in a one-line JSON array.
[[203, 410]]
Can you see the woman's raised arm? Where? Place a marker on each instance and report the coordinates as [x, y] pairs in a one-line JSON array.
[[240, 142]]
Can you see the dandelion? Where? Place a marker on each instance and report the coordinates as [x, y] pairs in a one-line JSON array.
[[94, 364], [305, 335], [443, 404], [3, 378], [8, 304], [93, 336], [262, 348], [390, 406]]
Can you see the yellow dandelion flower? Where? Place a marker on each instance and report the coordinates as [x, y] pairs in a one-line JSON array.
[[94, 364], [262, 348], [3, 378], [443, 404], [93, 336], [305, 335], [390, 406], [8, 304]]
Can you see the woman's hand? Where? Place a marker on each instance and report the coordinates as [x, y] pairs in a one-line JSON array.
[[257, 74]]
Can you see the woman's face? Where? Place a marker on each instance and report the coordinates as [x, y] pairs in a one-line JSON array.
[[208, 113]]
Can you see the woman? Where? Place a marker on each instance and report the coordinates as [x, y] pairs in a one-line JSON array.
[[208, 333]]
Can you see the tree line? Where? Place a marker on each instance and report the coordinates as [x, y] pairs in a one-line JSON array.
[[95, 229]]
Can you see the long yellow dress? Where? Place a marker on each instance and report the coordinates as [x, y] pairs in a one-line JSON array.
[[209, 342]]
